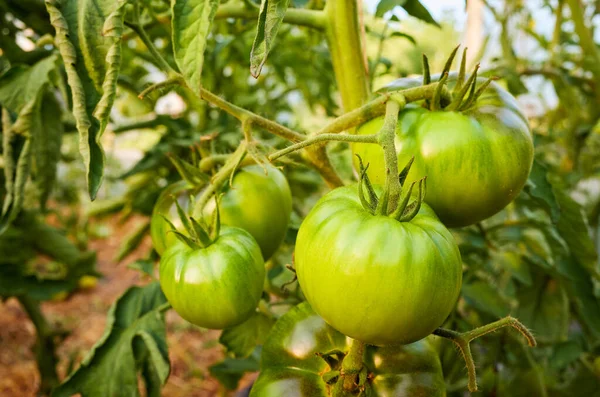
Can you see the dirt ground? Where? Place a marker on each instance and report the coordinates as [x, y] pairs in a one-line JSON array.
[[191, 350]]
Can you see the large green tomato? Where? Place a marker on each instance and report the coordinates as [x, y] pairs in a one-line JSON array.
[[373, 278], [218, 286], [291, 368], [476, 161], [258, 202]]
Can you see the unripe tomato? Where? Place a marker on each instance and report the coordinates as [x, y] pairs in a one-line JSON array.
[[257, 202], [218, 286], [373, 278], [476, 161]]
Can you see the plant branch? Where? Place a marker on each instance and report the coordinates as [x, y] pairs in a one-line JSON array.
[[162, 62], [310, 18], [176, 80], [376, 108], [44, 346], [324, 138], [463, 340], [245, 115]]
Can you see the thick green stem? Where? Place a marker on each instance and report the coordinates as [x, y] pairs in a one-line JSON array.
[[295, 16], [139, 30], [463, 340], [353, 363], [387, 137], [324, 138], [376, 108], [343, 37], [44, 346], [173, 81]]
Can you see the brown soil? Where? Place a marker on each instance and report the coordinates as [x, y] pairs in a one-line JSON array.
[[191, 350]]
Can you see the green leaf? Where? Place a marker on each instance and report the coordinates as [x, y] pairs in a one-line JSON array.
[[540, 189], [242, 339], [387, 5], [414, 8], [573, 228], [269, 20], [229, 371], [486, 298], [134, 340], [544, 308], [46, 145], [91, 54], [22, 84], [192, 20]]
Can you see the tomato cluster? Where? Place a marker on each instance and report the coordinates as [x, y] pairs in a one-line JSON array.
[[218, 284], [374, 264]]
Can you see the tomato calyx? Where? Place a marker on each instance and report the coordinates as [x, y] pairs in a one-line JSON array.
[[346, 380], [200, 235], [460, 100], [375, 205]]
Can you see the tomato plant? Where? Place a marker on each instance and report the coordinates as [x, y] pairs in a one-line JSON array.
[[303, 353], [477, 160], [148, 93], [258, 201]]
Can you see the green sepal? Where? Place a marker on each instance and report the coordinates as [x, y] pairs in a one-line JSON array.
[[216, 221], [448, 64], [404, 173], [437, 95], [201, 234], [426, 78], [333, 358], [473, 82], [478, 93], [382, 206], [186, 240], [397, 214], [461, 73], [413, 209], [183, 216], [370, 204]]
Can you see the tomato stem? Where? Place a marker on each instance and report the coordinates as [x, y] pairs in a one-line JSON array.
[[352, 364], [324, 138], [387, 136], [463, 340]]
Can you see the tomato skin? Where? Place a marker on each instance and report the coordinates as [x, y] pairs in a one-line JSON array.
[[290, 366], [373, 278], [218, 286], [257, 202], [476, 162]]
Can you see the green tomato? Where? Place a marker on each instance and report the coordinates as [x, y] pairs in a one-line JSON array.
[[290, 366], [218, 286], [258, 202], [373, 278], [476, 161]]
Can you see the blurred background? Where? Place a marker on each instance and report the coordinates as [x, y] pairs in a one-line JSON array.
[[528, 260]]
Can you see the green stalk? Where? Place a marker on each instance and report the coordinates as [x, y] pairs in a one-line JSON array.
[[44, 346], [387, 136], [343, 37], [353, 363]]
